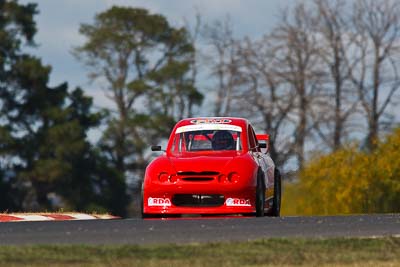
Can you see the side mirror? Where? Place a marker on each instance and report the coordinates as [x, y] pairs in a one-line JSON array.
[[155, 148], [262, 145]]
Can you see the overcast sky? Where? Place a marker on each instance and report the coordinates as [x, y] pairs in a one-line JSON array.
[[58, 25]]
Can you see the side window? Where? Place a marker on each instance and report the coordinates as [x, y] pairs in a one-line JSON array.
[[175, 145], [178, 144], [253, 143]]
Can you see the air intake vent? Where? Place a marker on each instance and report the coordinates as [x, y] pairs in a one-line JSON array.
[[192, 173], [197, 179], [193, 200]]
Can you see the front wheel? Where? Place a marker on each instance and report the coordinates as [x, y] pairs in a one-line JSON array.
[[143, 215], [260, 197], [276, 206]]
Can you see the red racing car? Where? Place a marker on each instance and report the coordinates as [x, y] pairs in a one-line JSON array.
[[212, 166]]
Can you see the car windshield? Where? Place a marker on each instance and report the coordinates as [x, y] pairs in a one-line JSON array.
[[194, 138]]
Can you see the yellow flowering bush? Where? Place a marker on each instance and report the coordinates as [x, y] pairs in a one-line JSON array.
[[348, 181]]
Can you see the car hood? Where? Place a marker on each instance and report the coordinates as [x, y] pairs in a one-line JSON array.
[[200, 163]]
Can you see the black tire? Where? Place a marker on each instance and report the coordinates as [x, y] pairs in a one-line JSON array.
[[148, 216], [276, 206], [144, 216], [141, 208], [260, 197]]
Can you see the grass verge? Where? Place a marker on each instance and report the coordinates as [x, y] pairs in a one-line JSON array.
[[269, 252]]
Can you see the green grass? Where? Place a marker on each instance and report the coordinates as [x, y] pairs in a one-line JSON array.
[[269, 252]]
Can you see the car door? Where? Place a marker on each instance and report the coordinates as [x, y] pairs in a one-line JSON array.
[[263, 159]]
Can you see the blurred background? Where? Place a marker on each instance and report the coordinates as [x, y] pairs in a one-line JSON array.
[[86, 87]]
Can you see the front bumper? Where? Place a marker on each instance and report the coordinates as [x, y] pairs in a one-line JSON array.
[[198, 198]]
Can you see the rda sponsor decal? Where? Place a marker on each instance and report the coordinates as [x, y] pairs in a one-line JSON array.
[[237, 202], [160, 202], [210, 121]]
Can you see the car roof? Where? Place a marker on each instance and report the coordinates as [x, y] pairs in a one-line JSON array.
[[217, 120]]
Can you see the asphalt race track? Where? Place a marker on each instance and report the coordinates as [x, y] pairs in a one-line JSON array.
[[193, 230]]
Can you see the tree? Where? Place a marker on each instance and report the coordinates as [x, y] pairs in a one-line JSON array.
[[145, 65], [298, 66], [340, 100], [376, 32], [46, 160], [17, 27], [263, 98], [222, 59], [193, 36], [50, 155]]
